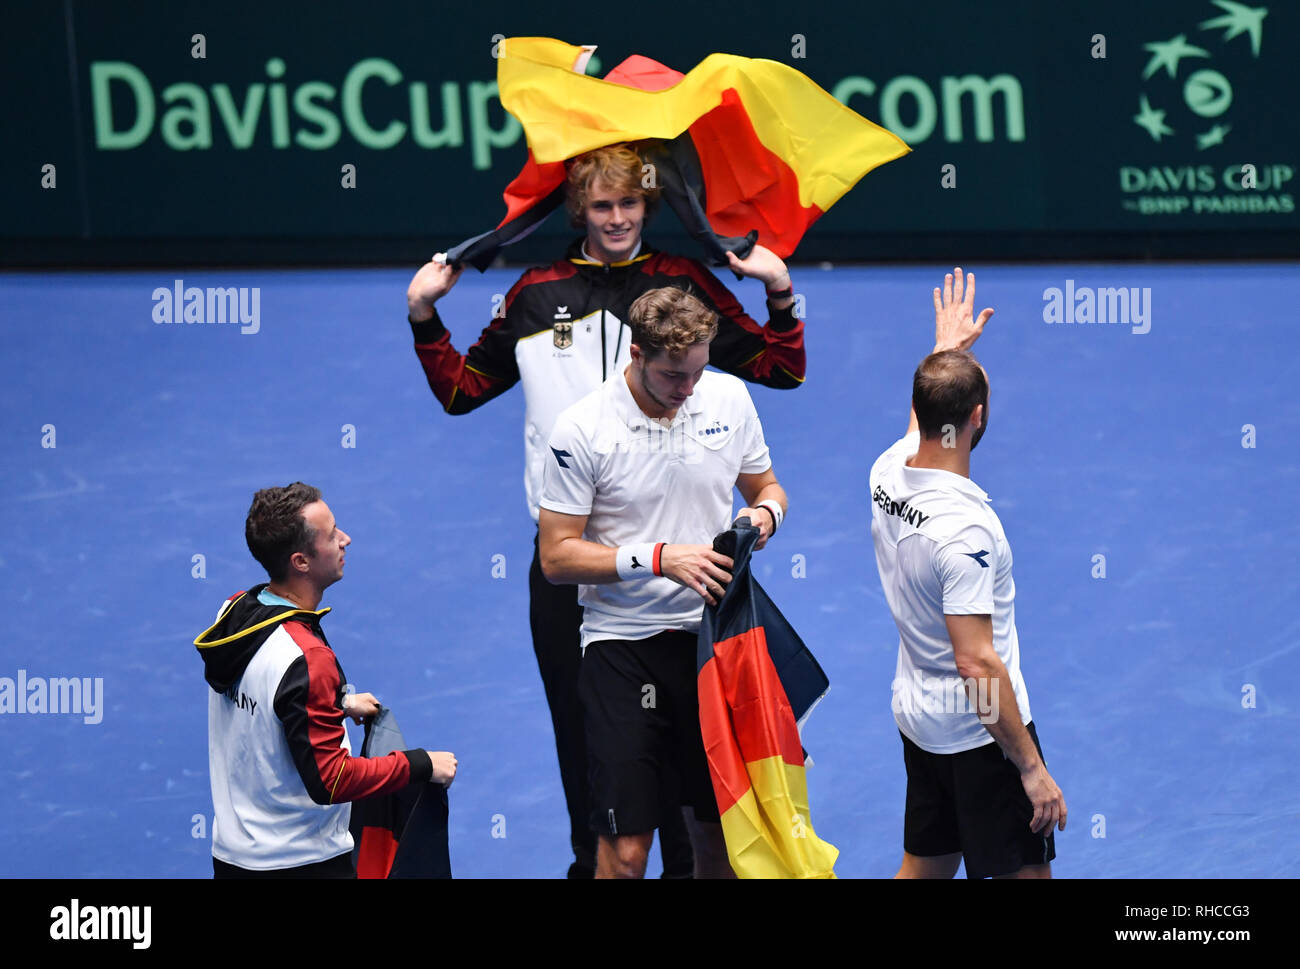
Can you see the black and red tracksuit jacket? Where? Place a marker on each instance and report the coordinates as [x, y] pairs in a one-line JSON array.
[[561, 330]]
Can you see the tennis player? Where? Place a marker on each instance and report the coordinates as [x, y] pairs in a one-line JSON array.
[[638, 481], [977, 784]]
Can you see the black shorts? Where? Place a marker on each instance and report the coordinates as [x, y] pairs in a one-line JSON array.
[[641, 709], [972, 802]]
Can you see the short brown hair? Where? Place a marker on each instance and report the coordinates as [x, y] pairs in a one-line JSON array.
[[619, 167], [275, 528], [670, 319], [946, 387]]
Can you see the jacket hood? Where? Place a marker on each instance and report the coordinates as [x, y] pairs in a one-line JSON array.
[[230, 643]]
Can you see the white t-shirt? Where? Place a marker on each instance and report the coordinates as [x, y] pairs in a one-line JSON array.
[[639, 481], [941, 551]]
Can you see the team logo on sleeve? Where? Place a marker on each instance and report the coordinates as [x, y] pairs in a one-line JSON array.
[[979, 557], [563, 335], [560, 456]]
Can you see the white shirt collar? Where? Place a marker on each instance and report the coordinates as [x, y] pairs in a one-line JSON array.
[[587, 256], [632, 414], [944, 479]]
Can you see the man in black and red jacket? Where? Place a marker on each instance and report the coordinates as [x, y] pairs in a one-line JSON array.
[[281, 765], [562, 330]]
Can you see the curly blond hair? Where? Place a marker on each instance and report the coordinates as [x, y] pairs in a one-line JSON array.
[[672, 320], [619, 167]]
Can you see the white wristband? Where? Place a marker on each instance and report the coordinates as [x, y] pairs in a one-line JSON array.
[[638, 561], [774, 507]]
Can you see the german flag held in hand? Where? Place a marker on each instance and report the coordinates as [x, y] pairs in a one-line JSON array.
[[756, 678], [400, 835]]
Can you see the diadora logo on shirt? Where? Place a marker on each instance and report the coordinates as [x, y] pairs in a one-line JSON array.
[[979, 557], [560, 456], [717, 427]]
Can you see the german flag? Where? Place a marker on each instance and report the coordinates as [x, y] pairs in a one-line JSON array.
[[400, 835], [750, 149], [757, 680]]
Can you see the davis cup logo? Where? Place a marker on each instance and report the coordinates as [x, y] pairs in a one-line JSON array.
[[1206, 91], [1188, 160]]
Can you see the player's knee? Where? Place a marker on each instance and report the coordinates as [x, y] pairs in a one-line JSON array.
[[932, 866], [625, 856]]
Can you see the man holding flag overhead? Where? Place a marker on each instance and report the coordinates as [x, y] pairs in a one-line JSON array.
[[638, 480], [561, 331], [746, 147]]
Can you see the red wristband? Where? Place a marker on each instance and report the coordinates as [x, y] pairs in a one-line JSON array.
[[654, 562]]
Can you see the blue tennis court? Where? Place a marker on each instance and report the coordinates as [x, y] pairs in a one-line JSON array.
[[1159, 690]]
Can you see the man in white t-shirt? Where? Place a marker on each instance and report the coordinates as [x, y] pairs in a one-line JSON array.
[[639, 482], [977, 784]]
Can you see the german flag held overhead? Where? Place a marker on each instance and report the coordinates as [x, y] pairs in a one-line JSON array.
[[749, 149]]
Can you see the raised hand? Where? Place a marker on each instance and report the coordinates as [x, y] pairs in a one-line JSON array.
[[762, 264], [955, 325], [432, 282]]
